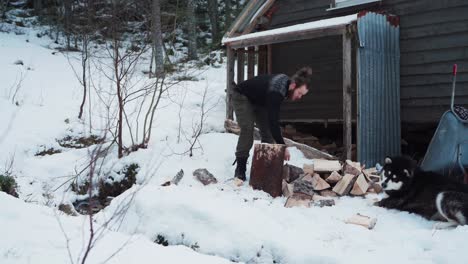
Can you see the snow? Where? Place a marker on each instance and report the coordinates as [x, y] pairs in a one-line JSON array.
[[316, 25], [203, 224], [32, 234]]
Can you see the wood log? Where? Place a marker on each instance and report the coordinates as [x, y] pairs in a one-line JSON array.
[[175, 180], [334, 178], [288, 189], [304, 185], [308, 151], [204, 176], [309, 169], [328, 193], [298, 200], [322, 201], [352, 168], [321, 165], [362, 220], [376, 187], [374, 178], [291, 173], [319, 184], [344, 186], [370, 171], [290, 131], [360, 186], [266, 173]]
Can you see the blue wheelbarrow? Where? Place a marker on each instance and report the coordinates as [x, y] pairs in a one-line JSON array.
[[447, 153]]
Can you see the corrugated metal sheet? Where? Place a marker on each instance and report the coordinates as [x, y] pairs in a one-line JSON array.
[[378, 129]]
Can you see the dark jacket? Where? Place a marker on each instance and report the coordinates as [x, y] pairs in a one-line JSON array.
[[268, 91]]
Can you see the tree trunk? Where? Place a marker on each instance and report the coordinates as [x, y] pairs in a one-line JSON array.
[[37, 6], [228, 12], [84, 64], [213, 14], [157, 38], [67, 18], [192, 30]]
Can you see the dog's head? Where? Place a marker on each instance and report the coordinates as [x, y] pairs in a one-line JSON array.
[[397, 173]]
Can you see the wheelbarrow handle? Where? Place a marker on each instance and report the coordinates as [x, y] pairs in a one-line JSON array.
[[454, 80]]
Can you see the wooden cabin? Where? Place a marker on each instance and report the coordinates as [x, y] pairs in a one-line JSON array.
[[381, 68]]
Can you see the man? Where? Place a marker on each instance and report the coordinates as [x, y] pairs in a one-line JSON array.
[[258, 101]]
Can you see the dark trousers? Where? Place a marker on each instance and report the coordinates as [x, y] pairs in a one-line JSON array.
[[248, 114]]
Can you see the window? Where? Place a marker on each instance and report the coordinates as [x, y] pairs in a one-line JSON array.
[[338, 4]]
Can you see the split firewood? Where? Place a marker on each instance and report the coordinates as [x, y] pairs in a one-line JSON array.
[[334, 178], [175, 180], [353, 168], [322, 201], [298, 200], [375, 187], [288, 189], [178, 177], [204, 176], [374, 178], [318, 183], [308, 168], [321, 165], [291, 173], [344, 186], [360, 186], [328, 193], [362, 220], [304, 185], [370, 171]]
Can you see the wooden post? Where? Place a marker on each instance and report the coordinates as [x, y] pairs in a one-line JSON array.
[[347, 103], [267, 168], [251, 62], [240, 65], [229, 83], [269, 60], [262, 60]]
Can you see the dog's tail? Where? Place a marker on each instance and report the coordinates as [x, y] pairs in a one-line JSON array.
[[453, 206]]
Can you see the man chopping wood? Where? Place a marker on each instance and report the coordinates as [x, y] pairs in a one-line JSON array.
[[258, 100]]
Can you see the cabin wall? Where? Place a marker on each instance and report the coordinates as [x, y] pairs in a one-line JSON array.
[[433, 36]]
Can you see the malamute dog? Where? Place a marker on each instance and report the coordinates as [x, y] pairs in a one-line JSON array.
[[425, 193]]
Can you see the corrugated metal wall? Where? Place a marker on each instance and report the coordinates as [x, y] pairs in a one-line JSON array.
[[433, 36], [378, 130]]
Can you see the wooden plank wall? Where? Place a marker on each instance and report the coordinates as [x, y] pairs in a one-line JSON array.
[[433, 36]]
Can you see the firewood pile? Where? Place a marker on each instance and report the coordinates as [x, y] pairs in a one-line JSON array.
[[323, 144], [316, 184]]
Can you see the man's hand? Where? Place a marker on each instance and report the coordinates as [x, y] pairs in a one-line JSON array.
[[287, 156]]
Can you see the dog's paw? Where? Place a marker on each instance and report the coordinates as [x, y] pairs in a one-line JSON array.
[[444, 225]]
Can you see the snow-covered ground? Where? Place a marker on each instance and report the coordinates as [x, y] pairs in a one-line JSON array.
[[204, 224]]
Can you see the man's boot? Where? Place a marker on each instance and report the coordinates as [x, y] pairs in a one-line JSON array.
[[241, 167]]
